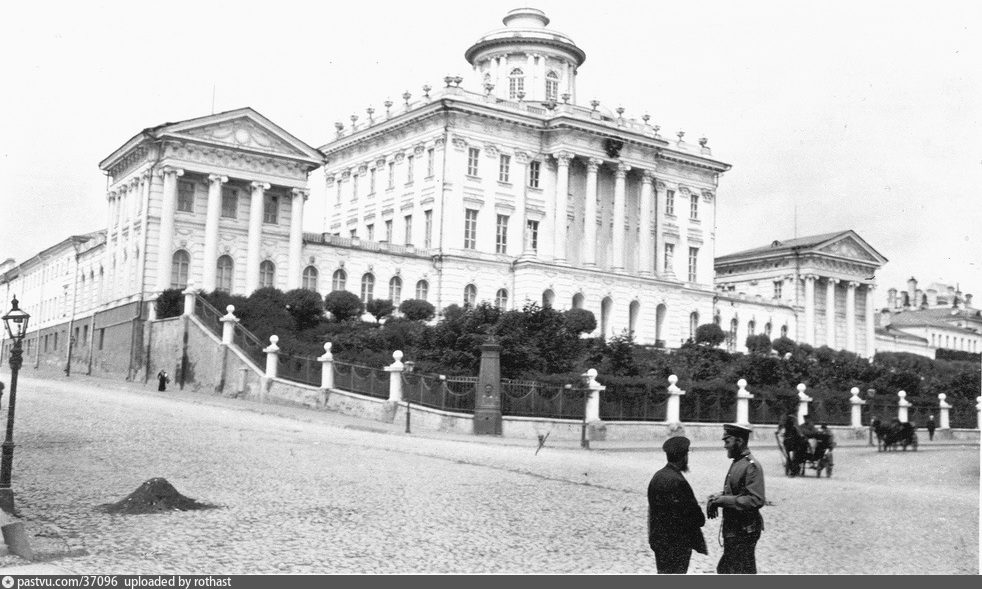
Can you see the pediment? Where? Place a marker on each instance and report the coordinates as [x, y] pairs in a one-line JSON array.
[[851, 248], [243, 133]]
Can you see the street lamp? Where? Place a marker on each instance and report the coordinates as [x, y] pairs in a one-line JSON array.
[[15, 322]]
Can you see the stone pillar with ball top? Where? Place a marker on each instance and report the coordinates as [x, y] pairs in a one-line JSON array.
[[743, 403], [487, 402], [902, 406], [803, 401], [857, 409]]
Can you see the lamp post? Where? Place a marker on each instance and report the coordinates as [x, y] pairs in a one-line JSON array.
[[15, 322]]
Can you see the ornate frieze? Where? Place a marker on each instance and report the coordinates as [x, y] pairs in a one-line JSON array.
[[226, 158]]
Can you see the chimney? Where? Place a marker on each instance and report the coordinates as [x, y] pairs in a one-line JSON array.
[[968, 299], [932, 298], [920, 299], [912, 291], [892, 298], [885, 318]]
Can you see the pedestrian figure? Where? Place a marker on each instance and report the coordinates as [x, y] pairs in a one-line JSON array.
[[874, 430], [674, 515], [931, 426], [741, 500], [162, 380]]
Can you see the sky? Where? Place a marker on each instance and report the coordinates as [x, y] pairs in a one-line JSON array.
[[835, 115]]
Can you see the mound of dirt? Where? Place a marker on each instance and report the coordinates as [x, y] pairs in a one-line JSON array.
[[154, 496]]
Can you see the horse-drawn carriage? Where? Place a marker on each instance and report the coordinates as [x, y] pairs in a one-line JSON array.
[[895, 435], [805, 449]]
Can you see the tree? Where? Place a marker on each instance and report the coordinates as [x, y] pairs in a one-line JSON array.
[[380, 308], [580, 321], [306, 307], [783, 345], [344, 305], [710, 334], [417, 310], [758, 344], [170, 303]]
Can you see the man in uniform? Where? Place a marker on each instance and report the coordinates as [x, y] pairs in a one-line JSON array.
[[674, 515], [741, 500]]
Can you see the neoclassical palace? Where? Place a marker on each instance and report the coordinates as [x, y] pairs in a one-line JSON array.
[[504, 190]]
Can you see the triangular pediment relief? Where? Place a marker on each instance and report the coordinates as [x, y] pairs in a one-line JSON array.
[[243, 133], [852, 248]]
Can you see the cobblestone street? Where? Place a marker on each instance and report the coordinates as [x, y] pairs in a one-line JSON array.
[[303, 491]]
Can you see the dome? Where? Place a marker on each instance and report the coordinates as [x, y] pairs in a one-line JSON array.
[[526, 27]]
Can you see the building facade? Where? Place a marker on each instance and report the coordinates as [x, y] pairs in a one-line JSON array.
[[938, 318]]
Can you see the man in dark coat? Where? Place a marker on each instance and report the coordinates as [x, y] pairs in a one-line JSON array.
[[674, 515], [741, 500], [931, 426]]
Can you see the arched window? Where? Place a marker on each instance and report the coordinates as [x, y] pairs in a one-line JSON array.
[[548, 298], [552, 86], [395, 290], [784, 331], [606, 306], [751, 327], [470, 296], [179, 269], [578, 300], [767, 329], [516, 83], [717, 319], [501, 299], [633, 310], [266, 273], [310, 278], [661, 312], [422, 290], [223, 278], [339, 279], [693, 324], [367, 287], [731, 335]]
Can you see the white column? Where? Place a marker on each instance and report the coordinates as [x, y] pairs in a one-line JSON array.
[[562, 195], [743, 403], [857, 408], [296, 238], [516, 225], [327, 367], [147, 180], [674, 400], [590, 213], [619, 206], [214, 210], [134, 197], [803, 401], [166, 242], [870, 327], [272, 356], [659, 249], [647, 241], [395, 377], [189, 294], [943, 407], [810, 308], [830, 311], [851, 316], [255, 233], [228, 325], [902, 406]]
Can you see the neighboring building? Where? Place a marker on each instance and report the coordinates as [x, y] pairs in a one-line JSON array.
[[940, 318], [825, 281]]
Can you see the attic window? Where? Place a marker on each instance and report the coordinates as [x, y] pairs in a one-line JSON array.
[[775, 243]]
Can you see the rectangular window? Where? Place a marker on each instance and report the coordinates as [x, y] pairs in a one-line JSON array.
[[354, 187], [428, 229], [778, 288], [230, 202], [532, 235], [410, 168], [693, 259], [473, 156], [409, 229], [388, 231], [392, 174], [271, 208], [339, 192], [670, 202], [102, 337], [501, 235], [371, 181], [56, 340], [535, 167], [504, 165], [85, 334], [354, 233], [185, 196], [429, 163], [470, 229], [669, 255], [370, 232], [694, 206]]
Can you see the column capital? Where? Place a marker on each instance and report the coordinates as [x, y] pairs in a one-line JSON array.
[[259, 185], [563, 157], [300, 192], [622, 169], [171, 170], [134, 182], [853, 285], [522, 157], [832, 280], [593, 164], [660, 186], [810, 277], [111, 195], [647, 177], [217, 178]]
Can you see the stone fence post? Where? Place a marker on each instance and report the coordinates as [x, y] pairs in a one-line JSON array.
[[272, 356], [743, 403], [395, 377], [228, 325], [857, 408], [674, 400], [593, 397], [803, 401], [978, 409], [189, 294], [902, 406], [327, 367], [943, 407]]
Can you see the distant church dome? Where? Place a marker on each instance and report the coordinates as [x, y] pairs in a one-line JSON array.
[[525, 60]]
